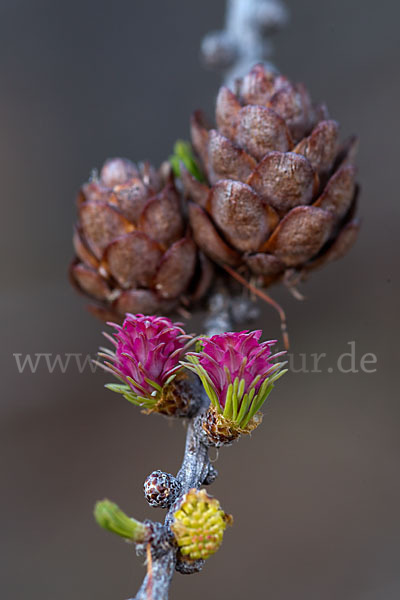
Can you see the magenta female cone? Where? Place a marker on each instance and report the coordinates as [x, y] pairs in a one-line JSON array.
[[238, 374], [146, 359]]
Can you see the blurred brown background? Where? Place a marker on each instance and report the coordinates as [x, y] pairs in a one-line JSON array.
[[315, 492]]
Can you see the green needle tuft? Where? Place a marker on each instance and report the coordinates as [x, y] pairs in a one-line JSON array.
[[183, 154]]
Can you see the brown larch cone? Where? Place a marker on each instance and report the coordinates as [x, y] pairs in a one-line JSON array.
[[282, 192], [134, 249]]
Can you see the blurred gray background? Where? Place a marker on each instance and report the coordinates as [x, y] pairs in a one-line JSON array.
[[315, 492]]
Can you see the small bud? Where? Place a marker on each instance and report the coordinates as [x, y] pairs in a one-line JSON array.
[[161, 489], [109, 516], [211, 475], [199, 525], [186, 567]]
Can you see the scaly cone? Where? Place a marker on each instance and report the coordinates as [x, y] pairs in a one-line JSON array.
[[281, 191], [134, 249]]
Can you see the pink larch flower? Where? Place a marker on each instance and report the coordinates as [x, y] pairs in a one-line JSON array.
[[238, 373], [146, 357]]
